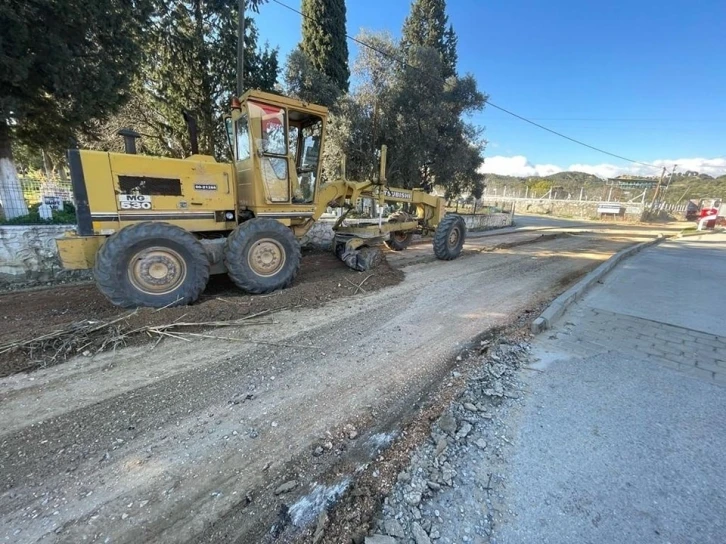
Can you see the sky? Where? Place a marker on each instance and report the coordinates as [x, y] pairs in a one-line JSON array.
[[642, 79]]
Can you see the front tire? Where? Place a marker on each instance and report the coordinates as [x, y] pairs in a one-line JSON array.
[[151, 264], [449, 237], [261, 256]]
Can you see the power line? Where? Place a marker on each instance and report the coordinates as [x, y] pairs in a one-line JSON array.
[[673, 120], [489, 102], [569, 138]]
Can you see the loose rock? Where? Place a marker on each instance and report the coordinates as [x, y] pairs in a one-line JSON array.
[[419, 535], [350, 431], [441, 445], [380, 539], [447, 423], [464, 430], [393, 528], [413, 498], [286, 487]]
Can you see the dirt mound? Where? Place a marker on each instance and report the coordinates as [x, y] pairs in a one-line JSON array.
[[27, 315]]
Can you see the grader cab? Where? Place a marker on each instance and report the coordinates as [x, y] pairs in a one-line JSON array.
[[153, 229]]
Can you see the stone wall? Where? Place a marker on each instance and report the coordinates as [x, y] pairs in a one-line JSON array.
[[28, 254], [488, 221], [578, 209], [320, 235]]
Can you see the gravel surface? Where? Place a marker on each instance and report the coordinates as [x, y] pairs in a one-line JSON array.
[[452, 489], [189, 442]]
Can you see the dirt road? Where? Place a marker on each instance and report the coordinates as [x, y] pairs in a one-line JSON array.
[[194, 441]]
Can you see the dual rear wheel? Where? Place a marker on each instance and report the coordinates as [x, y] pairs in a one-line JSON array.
[[161, 265]]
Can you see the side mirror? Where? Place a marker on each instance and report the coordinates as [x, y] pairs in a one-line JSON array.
[[230, 134]]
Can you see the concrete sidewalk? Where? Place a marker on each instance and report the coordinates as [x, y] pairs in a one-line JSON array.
[[622, 438]]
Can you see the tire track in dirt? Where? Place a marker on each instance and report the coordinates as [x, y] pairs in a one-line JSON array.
[[161, 455]]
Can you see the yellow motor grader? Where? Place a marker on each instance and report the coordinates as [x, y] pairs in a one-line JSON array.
[[153, 229]]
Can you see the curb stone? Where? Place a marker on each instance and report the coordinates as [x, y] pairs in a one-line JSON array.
[[558, 306]]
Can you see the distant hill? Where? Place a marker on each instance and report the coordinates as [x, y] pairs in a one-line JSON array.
[[683, 186]]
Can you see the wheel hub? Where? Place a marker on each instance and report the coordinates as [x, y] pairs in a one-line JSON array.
[[453, 237], [157, 270], [266, 257]]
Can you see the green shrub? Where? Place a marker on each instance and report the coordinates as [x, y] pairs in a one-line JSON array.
[[67, 216]]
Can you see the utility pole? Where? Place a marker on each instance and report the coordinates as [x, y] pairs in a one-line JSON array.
[[657, 189], [240, 48], [670, 178]]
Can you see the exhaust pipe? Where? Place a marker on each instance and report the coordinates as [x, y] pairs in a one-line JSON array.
[[130, 137], [191, 122]]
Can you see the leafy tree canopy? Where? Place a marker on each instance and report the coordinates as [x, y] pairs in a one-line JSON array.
[[190, 65], [63, 64]]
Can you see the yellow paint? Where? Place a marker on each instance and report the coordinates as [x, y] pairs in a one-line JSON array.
[[79, 252]]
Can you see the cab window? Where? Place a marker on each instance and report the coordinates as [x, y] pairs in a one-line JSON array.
[[306, 153], [243, 139], [272, 145]]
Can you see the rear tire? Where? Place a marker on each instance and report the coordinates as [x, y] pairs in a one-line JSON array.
[[151, 264], [399, 240], [449, 237], [262, 255]]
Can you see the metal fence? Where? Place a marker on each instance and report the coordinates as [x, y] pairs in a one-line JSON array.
[[509, 199], [34, 190], [607, 193]]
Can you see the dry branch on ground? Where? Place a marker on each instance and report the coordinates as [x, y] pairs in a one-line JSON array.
[[89, 337]]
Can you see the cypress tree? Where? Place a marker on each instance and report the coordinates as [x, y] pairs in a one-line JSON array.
[[324, 41], [426, 26]]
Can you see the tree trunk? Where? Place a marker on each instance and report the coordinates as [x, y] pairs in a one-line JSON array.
[[11, 194], [47, 166], [206, 113]]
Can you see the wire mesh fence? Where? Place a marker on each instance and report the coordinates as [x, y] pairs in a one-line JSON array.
[[643, 199], [24, 199]]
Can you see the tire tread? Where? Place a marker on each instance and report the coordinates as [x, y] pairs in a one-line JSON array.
[[441, 237], [109, 272], [235, 255]]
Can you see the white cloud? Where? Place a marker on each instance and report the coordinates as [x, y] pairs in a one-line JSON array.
[[518, 165]]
